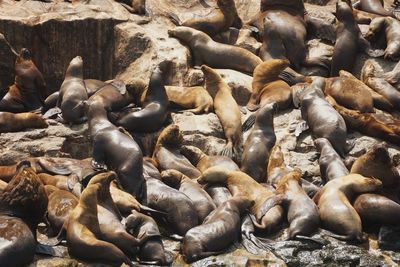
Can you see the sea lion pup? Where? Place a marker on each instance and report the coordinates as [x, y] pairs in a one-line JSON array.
[[61, 204], [111, 228], [349, 39], [266, 210], [11, 122], [73, 93], [321, 117], [267, 87], [331, 166], [302, 213], [115, 150], [220, 20], [202, 161], [29, 89], [216, 55], [144, 227], [259, 143], [376, 163], [367, 123], [335, 210], [22, 205], [167, 152], [154, 109], [376, 209], [219, 230], [374, 7], [388, 29], [380, 85], [84, 235], [194, 99], [227, 111], [202, 202], [181, 213]]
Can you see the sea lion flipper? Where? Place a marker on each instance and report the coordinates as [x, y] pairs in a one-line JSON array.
[[52, 112], [248, 123], [250, 246], [227, 151], [318, 241], [47, 250], [152, 211], [301, 127], [53, 167], [174, 18]]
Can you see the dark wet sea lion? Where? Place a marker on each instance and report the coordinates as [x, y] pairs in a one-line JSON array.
[[218, 192], [227, 111], [167, 152], [194, 99], [272, 44], [202, 202], [181, 214], [335, 210], [330, 164], [114, 96], [259, 143], [73, 93], [219, 230], [15, 122], [216, 55]]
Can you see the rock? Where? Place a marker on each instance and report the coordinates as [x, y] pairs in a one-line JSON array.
[[389, 238], [240, 84]]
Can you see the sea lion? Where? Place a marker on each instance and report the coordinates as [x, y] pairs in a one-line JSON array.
[[267, 87], [22, 206], [202, 202], [61, 204], [194, 99], [220, 20], [116, 150], [376, 209], [213, 54], [3, 185], [218, 192], [349, 39], [322, 118], [73, 92], [368, 123], [181, 213], [374, 7], [302, 213], [84, 235], [29, 89], [67, 183], [167, 152], [330, 164], [267, 211], [393, 76], [143, 226], [272, 43], [259, 143], [154, 109], [227, 111], [380, 85], [11, 122], [388, 29], [114, 96], [202, 161], [335, 210], [219, 230]]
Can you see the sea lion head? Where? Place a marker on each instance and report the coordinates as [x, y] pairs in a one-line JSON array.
[[380, 153], [344, 11], [362, 184], [172, 177], [320, 143], [214, 175], [182, 33], [104, 179], [25, 54], [75, 68], [266, 113], [171, 136]]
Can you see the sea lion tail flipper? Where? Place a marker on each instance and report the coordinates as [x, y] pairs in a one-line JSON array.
[[175, 19], [47, 250], [318, 241], [262, 243], [248, 123], [250, 246], [51, 113], [301, 127], [227, 151]]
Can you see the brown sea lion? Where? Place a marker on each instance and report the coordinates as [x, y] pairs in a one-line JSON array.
[[11, 122], [154, 109], [84, 235], [272, 43], [376, 209], [267, 211], [22, 206], [62, 182], [194, 99], [202, 202], [302, 213], [167, 152], [267, 87], [61, 204], [374, 7], [393, 76], [219, 230], [220, 20], [213, 54], [29, 90], [367, 123], [349, 39], [388, 29], [73, 93], [227, 111], [335, 210], [330, 164], [202, 161], [116, 150], [181, 213], [259, 143]]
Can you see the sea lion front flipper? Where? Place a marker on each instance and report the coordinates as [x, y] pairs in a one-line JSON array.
[[301, 126], [51, 113], [227, 151], [250, 246], [248, 123], [54, 168]]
